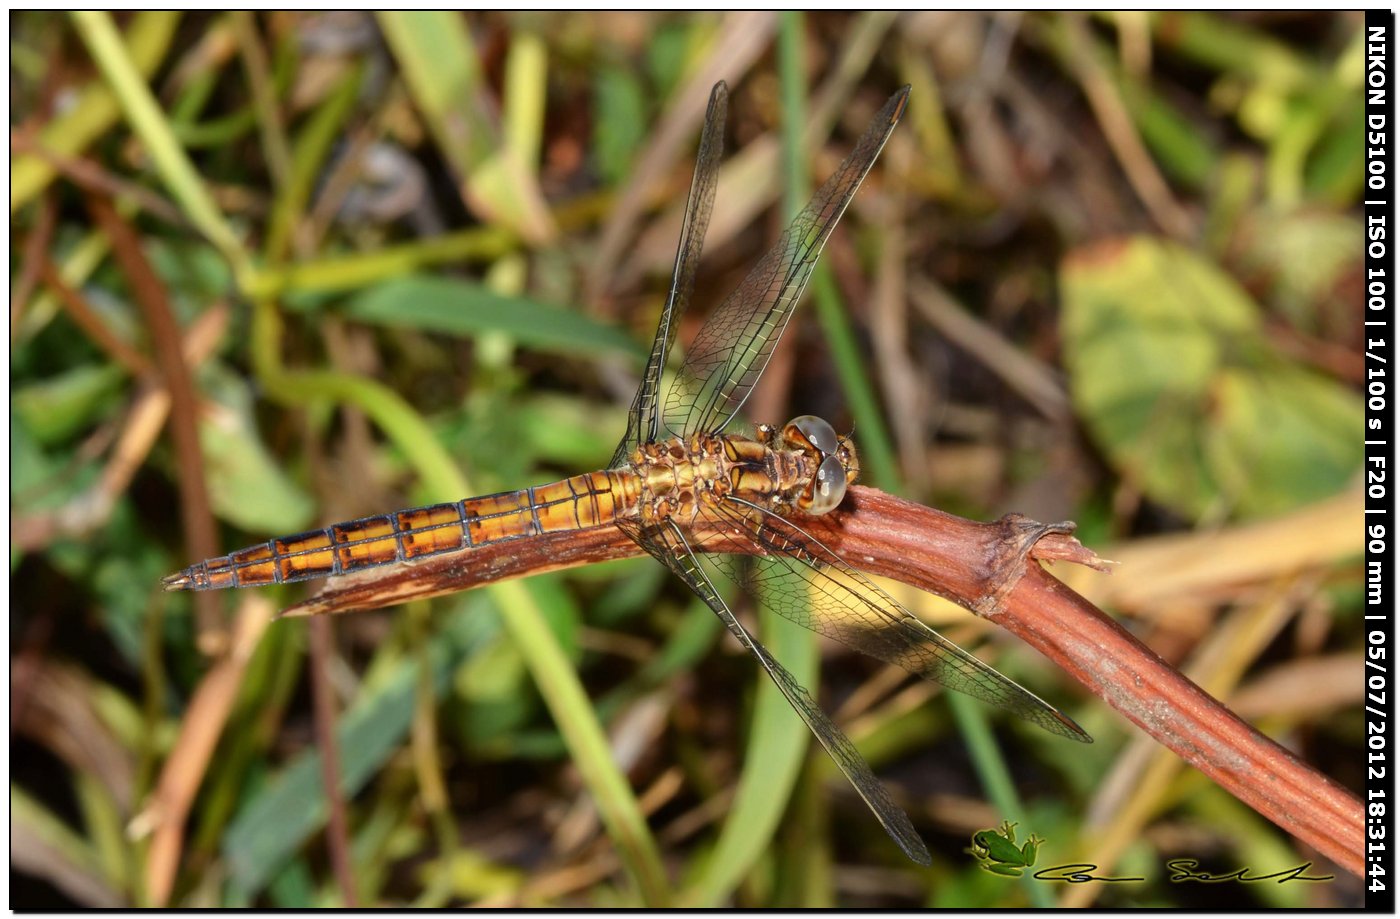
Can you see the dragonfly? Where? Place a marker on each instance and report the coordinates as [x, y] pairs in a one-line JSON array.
[[688, 478]]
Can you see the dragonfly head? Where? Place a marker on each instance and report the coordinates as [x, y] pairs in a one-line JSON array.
[[834, 457]]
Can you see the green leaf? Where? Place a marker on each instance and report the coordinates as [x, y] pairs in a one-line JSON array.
[[1283, 439], [293, 887], [462, 308], [44, 480], [495, 682], [620, 125], [57, 408], [1335, 170], [195, 274], [473, 876], [246, 485], [277, 820], [572, 433], [1176, 142], [493, 686], [673, 47], [1308, 255], [52, 850], [560, 610], [1170, 369], [30, 466], [125, 566]]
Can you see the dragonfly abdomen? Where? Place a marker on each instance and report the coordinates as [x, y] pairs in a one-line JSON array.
[[580, 502]]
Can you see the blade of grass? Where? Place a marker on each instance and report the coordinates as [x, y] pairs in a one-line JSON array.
[[44, 846], [1232, 46], [308, 156], [149, 123], [70, 133], [525, 85], [363, 269], [462, 308], [440, 65], [323, 712], [274, 822], [102, 819], [258, 70], [427, 762], [877, 456]]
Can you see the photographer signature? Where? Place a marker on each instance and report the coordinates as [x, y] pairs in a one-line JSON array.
[[1183, 871], [996, 851]]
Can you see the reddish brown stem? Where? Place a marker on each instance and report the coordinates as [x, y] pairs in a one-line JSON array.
[[36, 245], [87, 319], [984, 567], [149, 292]]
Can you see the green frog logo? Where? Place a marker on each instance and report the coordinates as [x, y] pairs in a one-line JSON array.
[[997, 852]]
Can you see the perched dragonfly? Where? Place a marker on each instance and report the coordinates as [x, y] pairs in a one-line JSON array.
[[682, 482]]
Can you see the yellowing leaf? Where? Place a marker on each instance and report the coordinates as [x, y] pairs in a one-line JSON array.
[[1172, 374]]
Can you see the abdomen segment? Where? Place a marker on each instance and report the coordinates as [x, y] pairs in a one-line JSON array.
[[588, 500]]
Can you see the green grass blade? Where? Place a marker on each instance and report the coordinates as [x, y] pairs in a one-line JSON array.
[[444, 76], [463, 308], [275, 822], [96, 110], [588, 745], [148, 121], [364, 269]]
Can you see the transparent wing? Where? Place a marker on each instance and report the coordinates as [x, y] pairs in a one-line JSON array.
[[804, 581], [732, 349], [667, 543], [642, 421]]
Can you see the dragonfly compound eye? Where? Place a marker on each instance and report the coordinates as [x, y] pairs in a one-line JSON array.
[[827, 489], [815, 431]]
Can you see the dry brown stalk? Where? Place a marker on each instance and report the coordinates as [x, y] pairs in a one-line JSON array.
[[987, 568]]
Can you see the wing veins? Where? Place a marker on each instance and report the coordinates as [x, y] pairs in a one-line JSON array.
[[876, 624], [734, 346], [643, 419], [668, 544]]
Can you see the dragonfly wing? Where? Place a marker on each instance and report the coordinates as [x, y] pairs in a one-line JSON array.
[[642, 421], [804, 581], [667, 544], [732, 349]]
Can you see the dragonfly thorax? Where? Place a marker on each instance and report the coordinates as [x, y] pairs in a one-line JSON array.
[[803, 465]]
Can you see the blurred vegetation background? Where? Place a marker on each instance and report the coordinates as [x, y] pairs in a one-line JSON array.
[[270, 271]]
